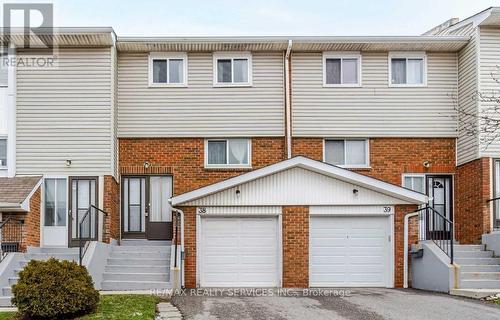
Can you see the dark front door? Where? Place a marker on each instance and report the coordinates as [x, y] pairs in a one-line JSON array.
[[146, 213], [83, 194], [440, 192]]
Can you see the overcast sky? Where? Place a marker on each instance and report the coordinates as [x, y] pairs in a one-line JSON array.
[[263, 17]]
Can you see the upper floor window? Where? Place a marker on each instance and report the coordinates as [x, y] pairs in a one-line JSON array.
[[407, 69], [232, 69], [227, 152], [341, 69], [3, 152], [350, 153], [167, 69], [4, 71], [415, 182]]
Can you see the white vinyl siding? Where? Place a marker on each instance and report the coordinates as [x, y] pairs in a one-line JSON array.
[[489, 74], [467, 145], [375, 109], [65, 113], [201, 110]]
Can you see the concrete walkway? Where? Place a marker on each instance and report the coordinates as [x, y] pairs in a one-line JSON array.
[[360, 304]]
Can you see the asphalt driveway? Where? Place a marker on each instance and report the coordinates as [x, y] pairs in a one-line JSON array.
[[358, 304]]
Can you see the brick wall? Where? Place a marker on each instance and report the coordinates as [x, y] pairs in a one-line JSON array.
[[401, 211], [184, 158], [112, 207], [391, 157], [472, 216], [32, 221], [190, 247], [295, 246]]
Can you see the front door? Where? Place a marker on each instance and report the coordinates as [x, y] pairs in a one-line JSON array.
[[146, 213], [440, 192], [83, 194]]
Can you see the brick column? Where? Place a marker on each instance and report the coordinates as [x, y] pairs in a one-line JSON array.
[[401, 211], [295, 246], [31, 232], [112, 207], [190, 247]]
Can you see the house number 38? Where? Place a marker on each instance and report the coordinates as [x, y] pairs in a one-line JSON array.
[[387, 209]]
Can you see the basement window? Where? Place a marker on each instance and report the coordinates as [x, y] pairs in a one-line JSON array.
[[348, 153], [235, 153]]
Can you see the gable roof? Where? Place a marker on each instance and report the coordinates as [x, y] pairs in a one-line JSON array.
[[329, 170], [16, 192]]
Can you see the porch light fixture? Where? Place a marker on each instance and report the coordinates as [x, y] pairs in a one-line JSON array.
[[68, 163], [355, 191], [238, 192], [426, 164], [146, 165]]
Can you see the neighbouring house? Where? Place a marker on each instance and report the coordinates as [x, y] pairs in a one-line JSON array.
[[253, 161]]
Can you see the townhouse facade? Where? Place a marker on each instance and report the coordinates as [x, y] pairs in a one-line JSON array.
[[270, 161]]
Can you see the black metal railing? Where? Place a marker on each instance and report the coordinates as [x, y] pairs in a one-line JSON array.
[[177, 226], [84, 237], [438, 228], [11, 235], [496, 212]]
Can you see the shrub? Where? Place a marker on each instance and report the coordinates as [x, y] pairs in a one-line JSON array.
[[54, 289]]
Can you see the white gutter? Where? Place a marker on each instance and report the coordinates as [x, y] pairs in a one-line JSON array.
[[405, 265], [287, 102], [181, 251]]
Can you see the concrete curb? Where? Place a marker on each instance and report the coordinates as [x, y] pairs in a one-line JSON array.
[[166, 311]]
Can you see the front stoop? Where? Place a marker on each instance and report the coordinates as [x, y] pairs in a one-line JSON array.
[[166, 311]]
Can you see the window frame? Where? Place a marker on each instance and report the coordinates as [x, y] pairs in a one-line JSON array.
[[407, 55], [366, 165], [232, 56], [228, 165], [168, 56], [6, 138], [43, 200], [414, 175], [342, 55]]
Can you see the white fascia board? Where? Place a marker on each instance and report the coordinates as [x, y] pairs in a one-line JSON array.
[[26, 203], [309, 164]]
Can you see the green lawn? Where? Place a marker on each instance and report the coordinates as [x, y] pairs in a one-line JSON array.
[[116, 307]]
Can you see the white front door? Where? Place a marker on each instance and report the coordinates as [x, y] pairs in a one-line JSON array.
[[55, 212], [239, 252], [350, 252]]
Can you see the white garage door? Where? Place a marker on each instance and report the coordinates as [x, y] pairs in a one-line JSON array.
[[239, 252], [350, 252]]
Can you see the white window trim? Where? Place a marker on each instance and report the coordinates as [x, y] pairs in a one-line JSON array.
[[342, 55], [168, 56], [413, 175], [407, 55], [348, 166], [6, 137], [232, 56], [225, 166]]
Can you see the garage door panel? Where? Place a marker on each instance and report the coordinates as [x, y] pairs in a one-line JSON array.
[[354, 252], [250, 260]]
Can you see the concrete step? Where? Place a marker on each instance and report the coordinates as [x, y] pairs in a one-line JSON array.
[[137, 269], [7, 291], [480, 268], [142, 242], [142, 255], [469, 247], [134, 285], [150, 249], [480, 275], [13, 280], [5, 301], [159, 277], [474, 293], [477, 261], [23, 263], [479, 284], [473, 254], [47, 256], [136, 262], [52, 250]]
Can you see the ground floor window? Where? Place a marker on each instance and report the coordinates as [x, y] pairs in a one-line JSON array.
[[55, 202]]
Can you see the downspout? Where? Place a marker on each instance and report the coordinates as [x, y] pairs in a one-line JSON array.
[[288, 108], [405, 265], [181, 265]]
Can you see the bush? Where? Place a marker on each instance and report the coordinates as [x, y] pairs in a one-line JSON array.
[[54, 289]]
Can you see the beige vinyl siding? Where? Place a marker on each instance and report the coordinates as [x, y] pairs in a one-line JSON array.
[[65, 113], [374, 109], [489, 74], [467, 143], [200, 110]]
